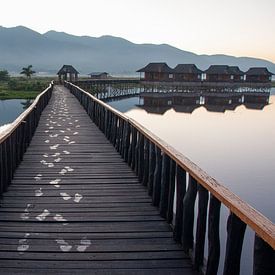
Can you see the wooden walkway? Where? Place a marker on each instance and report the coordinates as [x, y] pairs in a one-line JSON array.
[[74, 206]]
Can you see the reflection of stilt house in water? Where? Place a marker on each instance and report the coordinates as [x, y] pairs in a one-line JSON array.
[[224, 73], [258, 74], [68, 72], [215, 102], [157, 72], [170, 99], [222, 98], [187, 72]]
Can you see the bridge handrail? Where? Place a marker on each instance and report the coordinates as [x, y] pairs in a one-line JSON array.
[[241, 213], [15, 139]]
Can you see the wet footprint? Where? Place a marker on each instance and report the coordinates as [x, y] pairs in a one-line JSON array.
[[26, 215], [59, 218], [38, 177], [63, 245], [58, 160], [54, 147], [63, 171], [77, 197], [65, 196], [22, 245], [38, 193], [69, 169], [43, 215], [84, 244]]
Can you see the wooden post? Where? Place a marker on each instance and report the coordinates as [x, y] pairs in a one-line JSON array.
[[157, 178], [264, 258], [188, 214], [181, 190], [152, 166], [146, 162], [140, 165], [235, 235], [213, 236], [201, 227], [164, 189], [171, 193]]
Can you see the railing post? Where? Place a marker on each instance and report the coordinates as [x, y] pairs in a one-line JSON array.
[[201, 227], [133, 148], [171, 193], [140, 171], [146, 162], [264, 258], [126, 141], [157, 178], [235, 235], [152, 165], [164, 189], [213, 236], [188, 214], [180, 190]]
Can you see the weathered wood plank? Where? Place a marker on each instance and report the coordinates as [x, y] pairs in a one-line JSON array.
[[75, 205]]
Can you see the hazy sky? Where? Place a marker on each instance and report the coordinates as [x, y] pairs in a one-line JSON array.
[[235, 27]]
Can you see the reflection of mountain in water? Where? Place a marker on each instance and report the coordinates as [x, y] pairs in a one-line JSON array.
[[213, 102]]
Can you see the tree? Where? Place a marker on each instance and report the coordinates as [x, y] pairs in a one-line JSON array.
[[4, 75], [27, 71]]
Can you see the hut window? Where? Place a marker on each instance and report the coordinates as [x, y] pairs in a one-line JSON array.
[[199, 76], [231, 77], [170, 75], [169, 102]]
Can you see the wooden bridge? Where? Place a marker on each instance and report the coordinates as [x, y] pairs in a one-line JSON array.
[[90, 191]]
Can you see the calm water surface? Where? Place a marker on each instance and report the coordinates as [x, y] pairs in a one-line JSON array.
[[236, 147], [10, 109]]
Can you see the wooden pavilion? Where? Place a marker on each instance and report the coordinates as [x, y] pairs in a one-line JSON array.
[[258, 74], [236, 75], [68, 72], [187, 72], [157, 72]]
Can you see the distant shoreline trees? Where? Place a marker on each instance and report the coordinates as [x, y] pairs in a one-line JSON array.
[[4, 75], [27, 71]]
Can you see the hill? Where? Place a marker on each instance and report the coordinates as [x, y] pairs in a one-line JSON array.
[[49, 51]]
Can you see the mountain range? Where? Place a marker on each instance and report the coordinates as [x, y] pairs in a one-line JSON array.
[[21, 46]]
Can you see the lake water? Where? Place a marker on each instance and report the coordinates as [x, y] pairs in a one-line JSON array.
[[236, 147], [10, 109]]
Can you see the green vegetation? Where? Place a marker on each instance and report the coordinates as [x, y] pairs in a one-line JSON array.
[[27, 71], [22, 88], [4, 75]]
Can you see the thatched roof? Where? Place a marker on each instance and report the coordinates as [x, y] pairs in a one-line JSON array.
[[67, 69], [217, 69], [156, 68], [259, 71], [187, 69], [235, 70]]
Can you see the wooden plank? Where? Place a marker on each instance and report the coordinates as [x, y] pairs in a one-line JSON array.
[[113, 227]]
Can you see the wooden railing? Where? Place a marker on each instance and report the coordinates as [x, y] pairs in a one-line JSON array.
[[163, 170], [15, 140]]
